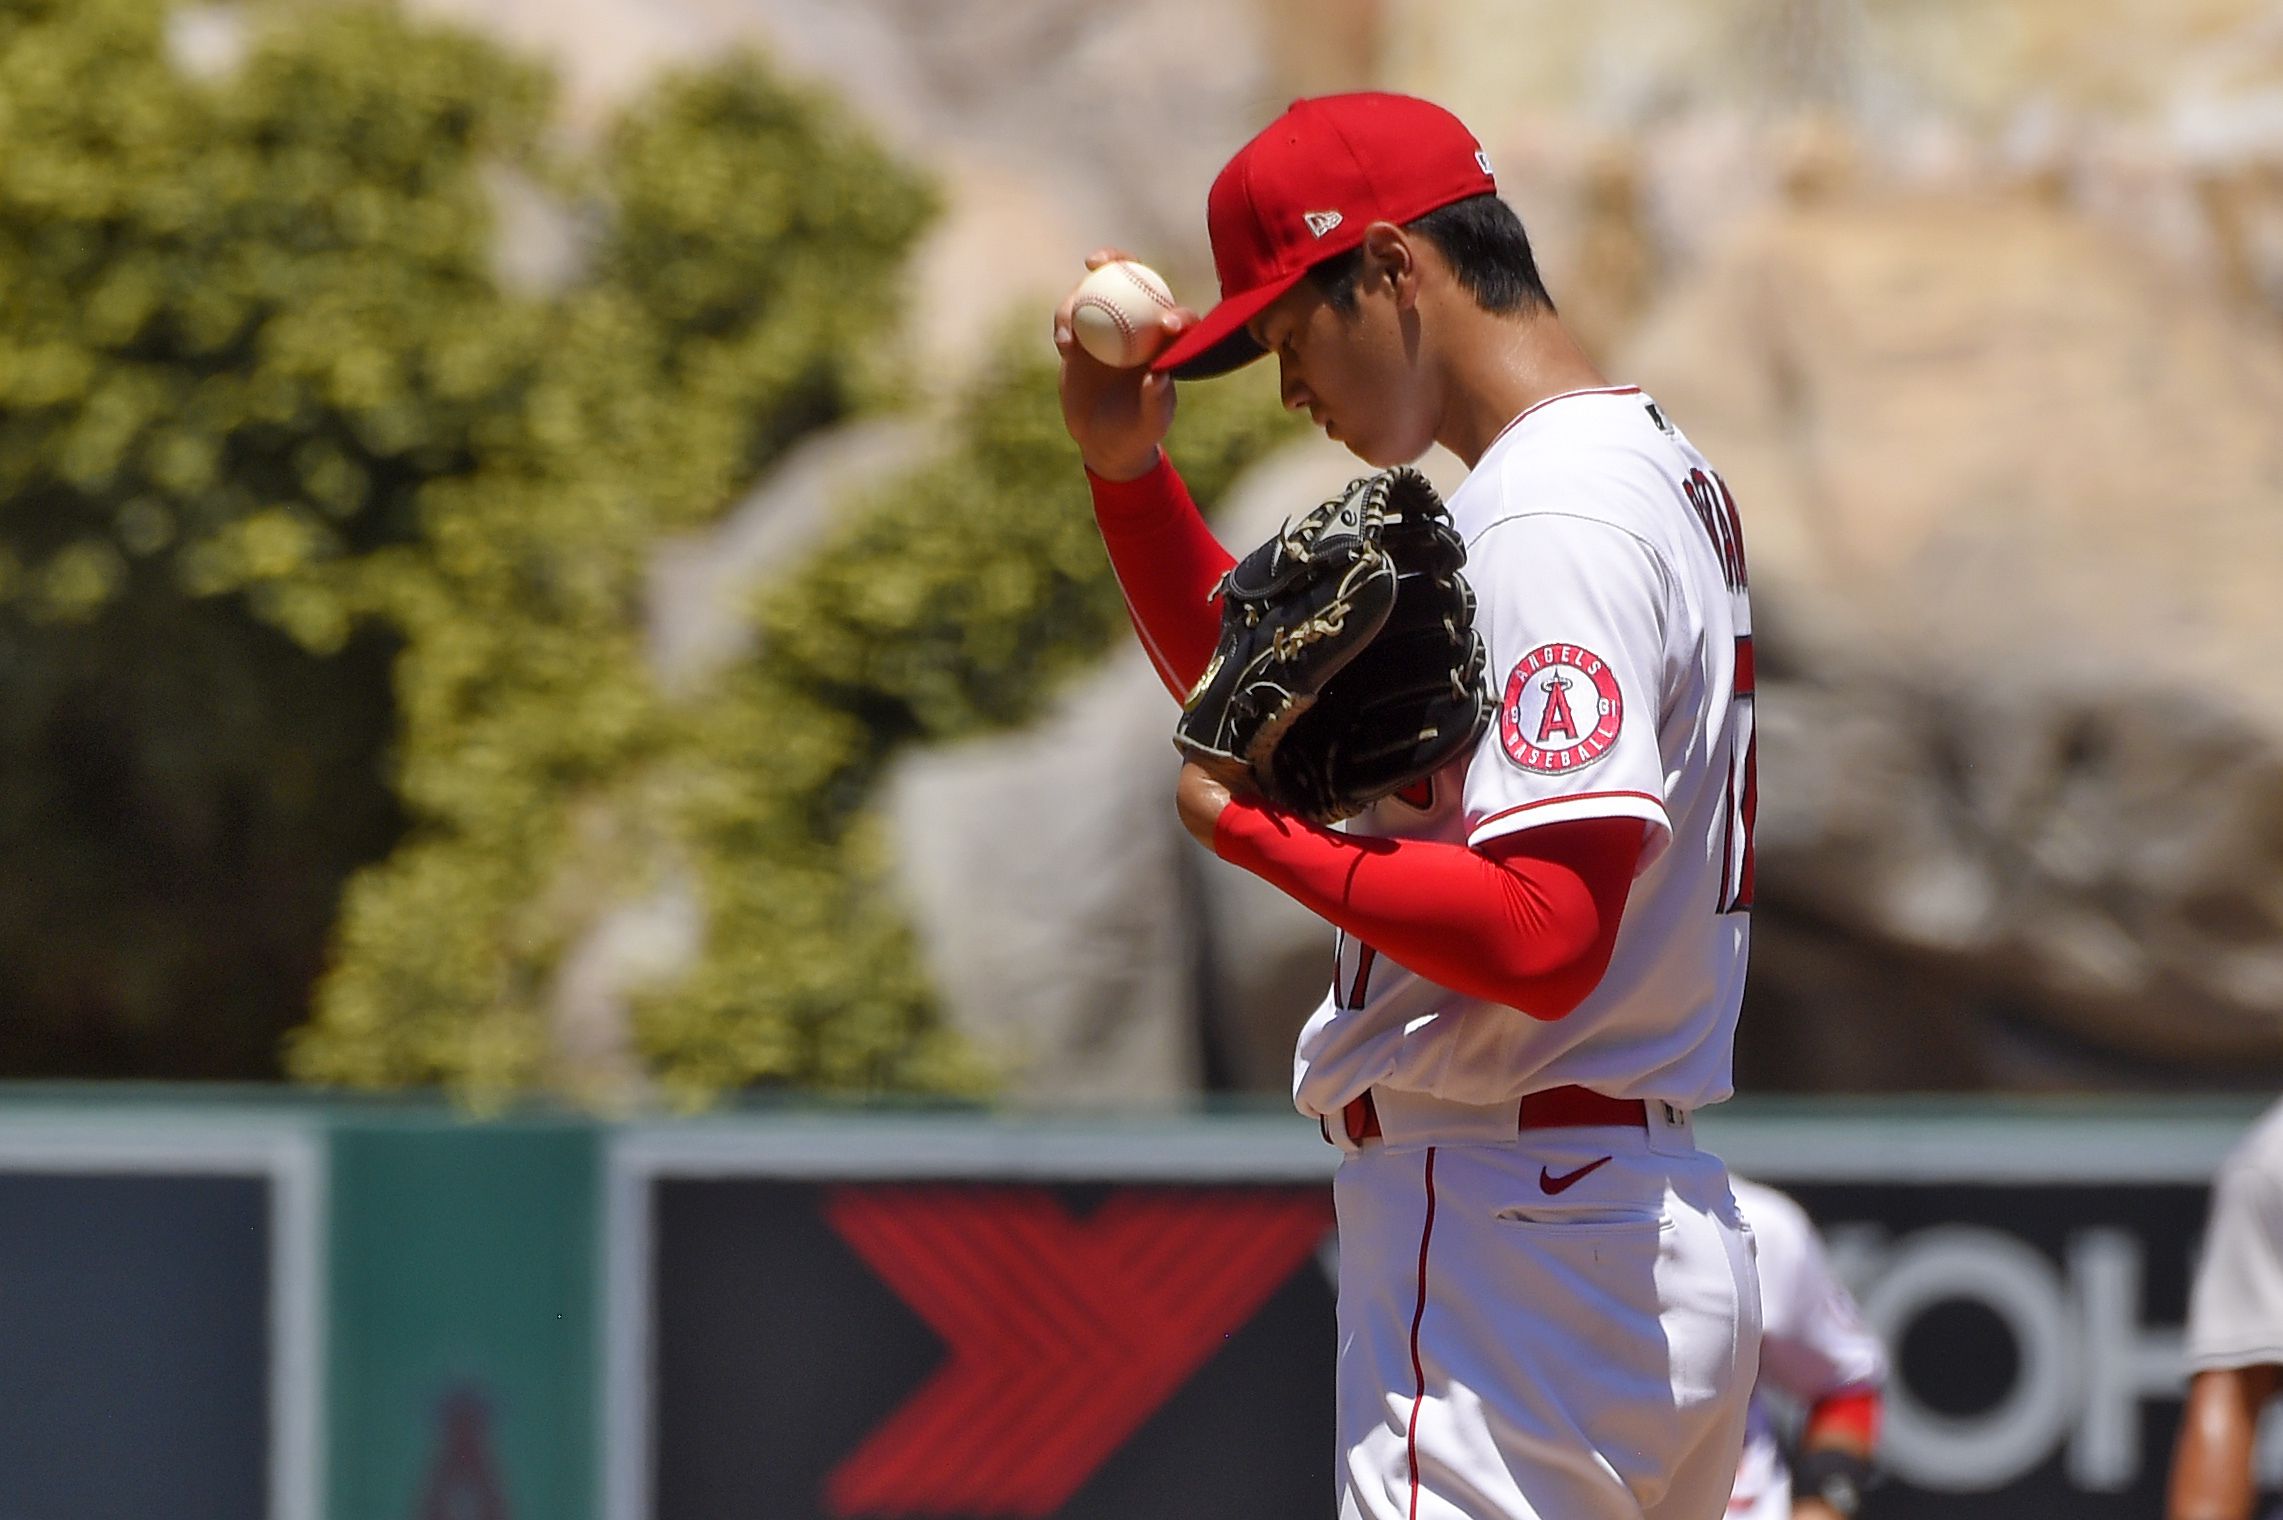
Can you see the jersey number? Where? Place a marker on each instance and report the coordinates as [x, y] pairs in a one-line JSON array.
[[1348, 999], [1743, 790], [1716, 509]]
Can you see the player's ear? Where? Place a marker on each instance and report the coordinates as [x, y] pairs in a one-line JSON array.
[[1389, 256]]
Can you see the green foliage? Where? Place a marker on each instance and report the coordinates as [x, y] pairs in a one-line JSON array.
[[182, 790], [536, 746], [968, 590], [957, 600], [307, 526], [323, 561], [240, 329]]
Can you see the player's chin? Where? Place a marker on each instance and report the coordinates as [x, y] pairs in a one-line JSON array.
[[1378, 452], [1379, 440], [1365, 446]]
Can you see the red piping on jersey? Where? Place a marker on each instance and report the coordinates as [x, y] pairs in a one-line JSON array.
[[1606, 390], [1524, 807], [1593, 390], [1365, 957], [1418, 1368]]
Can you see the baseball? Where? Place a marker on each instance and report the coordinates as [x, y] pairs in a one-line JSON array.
[[1115, 313]]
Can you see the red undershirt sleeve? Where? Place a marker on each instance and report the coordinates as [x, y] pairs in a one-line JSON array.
[[1529, 920], [1848, 1418], [1169, 566]]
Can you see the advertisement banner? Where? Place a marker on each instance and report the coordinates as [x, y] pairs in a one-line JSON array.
[[158, 1318], [462, 1291], [832, 1324], [986, 1349]]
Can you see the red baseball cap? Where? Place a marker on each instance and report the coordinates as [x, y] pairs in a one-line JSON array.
[[1307, 188]]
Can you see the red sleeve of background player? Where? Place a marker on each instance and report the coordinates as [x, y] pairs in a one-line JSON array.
[[1168, 565], [1848, 1418], [1529, 920]]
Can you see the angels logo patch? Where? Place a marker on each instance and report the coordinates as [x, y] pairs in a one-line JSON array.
[[1562, 709]]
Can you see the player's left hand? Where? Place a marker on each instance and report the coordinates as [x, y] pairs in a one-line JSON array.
[[1812, 1508], [1201, 795]]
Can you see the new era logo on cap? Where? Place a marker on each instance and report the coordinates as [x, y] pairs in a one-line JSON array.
[[1320, 222]]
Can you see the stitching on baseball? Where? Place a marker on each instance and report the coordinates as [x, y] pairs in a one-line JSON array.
[[1142, 285], [1108, 309]]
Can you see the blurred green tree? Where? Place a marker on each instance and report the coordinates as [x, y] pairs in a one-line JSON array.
[[747, 243], [242, 325], [953, 602], [322, 561]]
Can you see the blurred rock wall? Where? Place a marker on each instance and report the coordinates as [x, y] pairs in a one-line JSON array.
[[1975, 306], [2015, 502]]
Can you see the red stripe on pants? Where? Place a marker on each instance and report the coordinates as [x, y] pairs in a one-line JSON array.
[[1418, 1369]]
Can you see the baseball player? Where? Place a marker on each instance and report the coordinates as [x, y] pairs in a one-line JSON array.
[[1547, 1305], [1816, 1352], [2235, 1332]]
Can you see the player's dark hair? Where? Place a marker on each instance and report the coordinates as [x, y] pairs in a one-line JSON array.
[[1487, 249]]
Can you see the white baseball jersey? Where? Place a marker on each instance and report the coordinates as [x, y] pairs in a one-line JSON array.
[[2235, 1310], [1813, 1342], [1608, 565], [1562, 1323]]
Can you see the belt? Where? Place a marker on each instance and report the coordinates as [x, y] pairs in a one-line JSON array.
[[1555, 1108]]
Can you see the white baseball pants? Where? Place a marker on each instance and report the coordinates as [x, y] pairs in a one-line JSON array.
[[1531, 1332]]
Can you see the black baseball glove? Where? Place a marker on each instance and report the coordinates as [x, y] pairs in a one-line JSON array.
[[1349, 666]]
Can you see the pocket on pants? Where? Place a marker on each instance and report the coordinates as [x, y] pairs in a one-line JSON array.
[[1569, 1221]]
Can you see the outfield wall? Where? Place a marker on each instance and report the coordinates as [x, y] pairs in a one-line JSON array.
[[290, 1310]]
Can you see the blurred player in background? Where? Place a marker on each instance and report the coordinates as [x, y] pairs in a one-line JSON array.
[[2235, 1332], [1816, 1352]]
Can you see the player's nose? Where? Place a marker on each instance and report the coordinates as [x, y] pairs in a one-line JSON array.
[[1292, 387]]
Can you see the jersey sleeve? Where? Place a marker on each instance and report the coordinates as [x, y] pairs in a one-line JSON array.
[[1574, 613], [2235, 1310]]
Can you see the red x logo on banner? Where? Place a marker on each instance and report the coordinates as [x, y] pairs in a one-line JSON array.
[[1065, 1334]]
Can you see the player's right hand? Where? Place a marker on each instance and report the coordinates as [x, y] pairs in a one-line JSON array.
[[1118, 417]]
